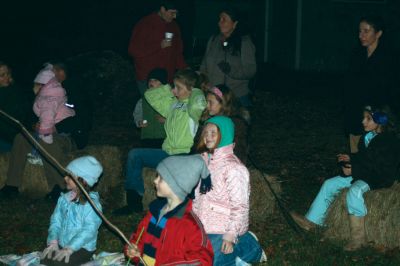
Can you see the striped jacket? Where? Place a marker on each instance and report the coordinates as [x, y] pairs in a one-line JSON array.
[[178, 238]]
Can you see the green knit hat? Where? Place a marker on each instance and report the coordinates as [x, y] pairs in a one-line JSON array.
[[226, 127]]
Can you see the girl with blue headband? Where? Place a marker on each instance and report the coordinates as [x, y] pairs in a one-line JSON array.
[[374, 166]]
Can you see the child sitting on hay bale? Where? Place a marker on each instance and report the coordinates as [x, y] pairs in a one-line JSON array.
[[53, 132], [171, 234], [182, 107], [373, 167], [224, 211], [74, 224]]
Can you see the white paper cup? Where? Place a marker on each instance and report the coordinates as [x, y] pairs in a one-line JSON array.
[[169, 36]]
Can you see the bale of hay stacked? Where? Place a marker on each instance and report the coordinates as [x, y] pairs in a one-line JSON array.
[[262, 202], [381, 222], [149, 191], [4, 157], [34, 183], [110, 158]]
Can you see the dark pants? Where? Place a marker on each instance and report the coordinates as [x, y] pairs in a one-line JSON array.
[[77, 258], [21, 147]]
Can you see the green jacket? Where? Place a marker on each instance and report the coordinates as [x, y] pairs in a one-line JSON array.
[[182, 117]]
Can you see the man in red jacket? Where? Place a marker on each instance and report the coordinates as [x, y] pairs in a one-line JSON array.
[[156, 43]]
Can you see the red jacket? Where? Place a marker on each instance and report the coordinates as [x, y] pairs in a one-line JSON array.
[[145, 47], [182, 241]]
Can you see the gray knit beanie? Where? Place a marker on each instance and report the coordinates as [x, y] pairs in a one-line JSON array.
[[182, 173]]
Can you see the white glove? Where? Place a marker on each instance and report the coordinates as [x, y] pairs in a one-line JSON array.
[[63, 254], [47, 138], [47, 252]]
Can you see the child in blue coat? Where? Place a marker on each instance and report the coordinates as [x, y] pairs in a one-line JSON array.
[[74, 224]]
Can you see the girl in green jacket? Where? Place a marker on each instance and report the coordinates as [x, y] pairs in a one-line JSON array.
[[182, 107]]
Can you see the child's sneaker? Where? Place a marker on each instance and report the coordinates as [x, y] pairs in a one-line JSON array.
[[263, 255], [240, 262]]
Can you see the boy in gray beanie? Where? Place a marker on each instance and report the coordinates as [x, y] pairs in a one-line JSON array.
[[172, 213]]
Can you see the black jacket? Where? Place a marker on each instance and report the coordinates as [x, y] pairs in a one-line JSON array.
[[378, 163], [14, 102]]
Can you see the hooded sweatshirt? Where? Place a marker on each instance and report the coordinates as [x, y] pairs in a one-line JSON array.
[[50, 107], [225, 209]]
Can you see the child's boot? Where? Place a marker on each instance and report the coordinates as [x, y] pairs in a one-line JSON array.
[[134, 204], [303, 222], [357, 233]]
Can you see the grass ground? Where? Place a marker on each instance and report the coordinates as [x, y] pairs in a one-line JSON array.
[[295, 137]]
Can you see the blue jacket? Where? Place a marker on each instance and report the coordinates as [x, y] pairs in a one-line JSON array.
[[75, 225]]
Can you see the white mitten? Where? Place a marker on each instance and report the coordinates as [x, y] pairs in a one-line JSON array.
[[63, 254], [47, 252]]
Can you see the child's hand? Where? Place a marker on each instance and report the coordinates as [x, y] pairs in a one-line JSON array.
[[48, 252], [343, 157], [165, 43], [160, 119], [227, 247], [133, 251], [143, 123]]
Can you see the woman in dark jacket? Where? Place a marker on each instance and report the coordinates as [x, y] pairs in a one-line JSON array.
[[374, 166], [372, 65]]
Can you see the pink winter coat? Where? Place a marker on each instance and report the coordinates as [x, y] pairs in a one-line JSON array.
[[225, 209], [50, 107]]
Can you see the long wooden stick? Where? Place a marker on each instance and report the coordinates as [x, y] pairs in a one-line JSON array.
[[59, 167]]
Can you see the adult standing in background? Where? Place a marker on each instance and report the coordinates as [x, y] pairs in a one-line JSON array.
[[230, 56], [371, 77], [156, 43], [14, 102]]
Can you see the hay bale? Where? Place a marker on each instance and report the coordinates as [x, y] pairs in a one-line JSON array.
[[149, 175], [110, 158], [34, 183], [4, 157], [262, 202], [381, 222]]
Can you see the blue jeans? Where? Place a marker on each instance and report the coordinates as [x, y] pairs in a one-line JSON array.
[[247, 249], [328, 192], [137, 159]]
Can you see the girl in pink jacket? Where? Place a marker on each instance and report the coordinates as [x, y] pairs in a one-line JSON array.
[[50, 103], [224, 211]]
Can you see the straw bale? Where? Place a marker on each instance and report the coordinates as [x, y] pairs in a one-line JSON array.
[[110, 158], [149, 191], [381, 222], [262, 201], [34, 183], [4, 157]]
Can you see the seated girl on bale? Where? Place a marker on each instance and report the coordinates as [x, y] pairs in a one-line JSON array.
[[374, 166]]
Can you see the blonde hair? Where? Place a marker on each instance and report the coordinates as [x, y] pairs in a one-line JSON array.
[[187, 77]]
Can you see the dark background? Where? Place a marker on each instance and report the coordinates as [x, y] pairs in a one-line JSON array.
[[304, 35]]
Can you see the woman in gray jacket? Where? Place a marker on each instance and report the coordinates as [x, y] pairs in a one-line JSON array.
[[230, 57]]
